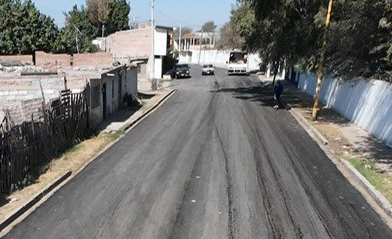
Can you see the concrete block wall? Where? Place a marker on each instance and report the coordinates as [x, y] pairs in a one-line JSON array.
[[48, 59], [132, 43], [97, 60], [21, 111], [25, 59], [364, 102]]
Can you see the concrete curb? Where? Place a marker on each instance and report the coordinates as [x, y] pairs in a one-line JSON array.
[[146, 113], [382, 202], [34, 200], [304, 123], [377, 196], [37, 197]]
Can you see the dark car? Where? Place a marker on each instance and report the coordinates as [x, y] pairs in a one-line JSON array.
[[180, 71]]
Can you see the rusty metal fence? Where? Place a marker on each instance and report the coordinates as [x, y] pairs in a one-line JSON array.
[[30, 144]]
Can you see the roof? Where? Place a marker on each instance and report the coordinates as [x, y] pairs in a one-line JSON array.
[[164, 27]]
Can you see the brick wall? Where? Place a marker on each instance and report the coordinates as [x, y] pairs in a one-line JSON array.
[[48, 59], [101, 59], [21, 111], [132, 43], [25, 59]]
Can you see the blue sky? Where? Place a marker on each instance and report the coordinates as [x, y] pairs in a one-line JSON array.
[[188, 13]]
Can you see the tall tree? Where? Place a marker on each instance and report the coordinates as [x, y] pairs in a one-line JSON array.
[[77, 34], [118, 19], [209, 27], [23, 29], [230, 37], [113, 14]]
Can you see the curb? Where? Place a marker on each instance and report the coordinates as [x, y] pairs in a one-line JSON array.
[[34, 200], [304, 123], [37, 197], [376, 195], [381, 201], [156, 105]]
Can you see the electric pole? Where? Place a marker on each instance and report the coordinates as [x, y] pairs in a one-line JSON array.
[[316, 109], [179, 41], [201, 43], [154, 83]]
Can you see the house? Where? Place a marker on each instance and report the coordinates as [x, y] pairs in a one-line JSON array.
[[196, 41], [26, 89], [135, 46]]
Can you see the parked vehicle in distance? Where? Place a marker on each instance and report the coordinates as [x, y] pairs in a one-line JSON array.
[[181, 70], [237, 63], [208, 70]]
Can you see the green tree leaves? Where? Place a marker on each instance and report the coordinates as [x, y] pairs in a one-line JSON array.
[[208, 27], [23, 29], [359, 40]]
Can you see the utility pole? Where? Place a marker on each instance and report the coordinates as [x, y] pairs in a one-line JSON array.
[[201, 43], [154, 83], [179, 40], [316, 109], [103, 40]]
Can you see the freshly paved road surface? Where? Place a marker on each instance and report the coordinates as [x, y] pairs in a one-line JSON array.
[[215, 161]]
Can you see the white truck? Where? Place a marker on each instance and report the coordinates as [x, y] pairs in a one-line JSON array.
[[237, 63]]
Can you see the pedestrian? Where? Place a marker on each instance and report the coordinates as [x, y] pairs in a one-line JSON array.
[[278, 88]]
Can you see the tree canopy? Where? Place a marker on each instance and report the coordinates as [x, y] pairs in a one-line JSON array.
[[359, 39], [208, 27], [23, 29]]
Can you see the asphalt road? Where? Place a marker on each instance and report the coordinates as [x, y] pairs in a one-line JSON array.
[[215, 161]]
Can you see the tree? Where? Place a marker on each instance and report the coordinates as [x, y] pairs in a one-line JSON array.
[[209, 27], [77, 34], [119, 20], [230, 37], [359, 39], [184, 30], [111, 13], [23, 29]]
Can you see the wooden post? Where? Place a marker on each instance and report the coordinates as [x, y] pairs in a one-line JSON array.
[[316, 109]]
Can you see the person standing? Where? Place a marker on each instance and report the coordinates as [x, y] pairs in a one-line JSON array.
[[278, 88]]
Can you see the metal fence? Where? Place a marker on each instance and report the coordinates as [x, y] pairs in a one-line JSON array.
[[30, 144]]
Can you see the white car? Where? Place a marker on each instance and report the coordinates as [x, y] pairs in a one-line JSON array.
[[208, 70]]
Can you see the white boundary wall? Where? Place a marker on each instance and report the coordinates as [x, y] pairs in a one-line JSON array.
[[218, 58], [367, 103]]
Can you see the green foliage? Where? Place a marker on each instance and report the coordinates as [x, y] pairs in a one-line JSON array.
[[208, 27], [23, 29], [111, 13], [77, 34], [359, 39], [118, 19]]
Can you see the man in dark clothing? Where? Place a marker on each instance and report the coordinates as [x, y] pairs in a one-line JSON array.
[[278, 88]]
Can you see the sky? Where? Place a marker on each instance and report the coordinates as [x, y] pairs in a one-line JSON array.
[[187, 13]]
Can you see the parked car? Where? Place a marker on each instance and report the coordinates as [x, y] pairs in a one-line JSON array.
[[181, 70], [208, 70]]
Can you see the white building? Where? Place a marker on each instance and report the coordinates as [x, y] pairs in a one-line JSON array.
[[196, 41]]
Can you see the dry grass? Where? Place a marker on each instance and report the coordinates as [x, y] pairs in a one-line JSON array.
[[342, 149]]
